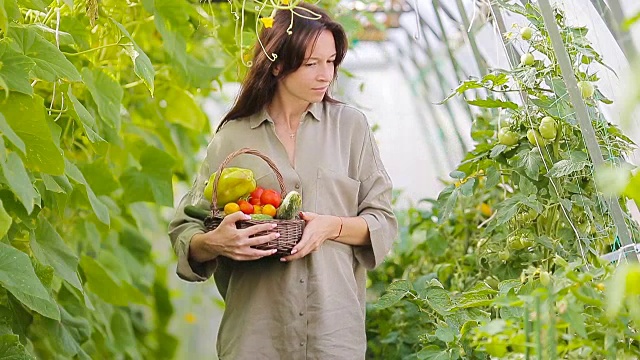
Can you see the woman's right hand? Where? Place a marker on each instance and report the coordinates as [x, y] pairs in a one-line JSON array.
[[229, 241]]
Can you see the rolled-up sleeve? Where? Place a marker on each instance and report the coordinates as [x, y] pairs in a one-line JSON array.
[[183, 227], [374, 205]]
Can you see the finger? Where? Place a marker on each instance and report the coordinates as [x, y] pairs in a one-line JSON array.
[[307, 216], [254, 254], [256, 229], [259, 240], [235, 217]]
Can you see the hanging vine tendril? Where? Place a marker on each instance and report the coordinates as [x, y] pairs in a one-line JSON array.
[[261, 6]]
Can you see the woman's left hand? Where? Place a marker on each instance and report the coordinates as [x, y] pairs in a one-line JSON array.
[[318, 228]]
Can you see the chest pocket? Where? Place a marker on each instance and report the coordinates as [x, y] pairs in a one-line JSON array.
[[336, 194]]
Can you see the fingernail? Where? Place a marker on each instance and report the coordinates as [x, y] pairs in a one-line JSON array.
[[277, 235], [247, 217], [294, 251], [273, 251], [283, 259], [273, 225]]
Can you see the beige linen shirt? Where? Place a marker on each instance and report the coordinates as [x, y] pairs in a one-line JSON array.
[[314, 307]]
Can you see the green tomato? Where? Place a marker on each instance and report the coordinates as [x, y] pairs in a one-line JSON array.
[[507, 137], [632, 280], [504, 255], [547, 128], [535, 138], [527, 59], [586, 89], [526, 33]]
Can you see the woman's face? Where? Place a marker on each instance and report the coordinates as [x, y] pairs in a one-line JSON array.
[[311, 80]]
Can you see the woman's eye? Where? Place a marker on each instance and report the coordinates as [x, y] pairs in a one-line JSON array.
[[310, 64]]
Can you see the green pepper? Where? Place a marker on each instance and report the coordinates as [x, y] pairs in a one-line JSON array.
[[234, 184]]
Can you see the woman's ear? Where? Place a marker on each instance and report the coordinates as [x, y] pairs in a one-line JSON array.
[[276, 70]]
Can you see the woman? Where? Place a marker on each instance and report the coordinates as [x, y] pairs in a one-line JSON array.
[[310, 304]]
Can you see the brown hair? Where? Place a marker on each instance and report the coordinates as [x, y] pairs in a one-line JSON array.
[[259, 86]]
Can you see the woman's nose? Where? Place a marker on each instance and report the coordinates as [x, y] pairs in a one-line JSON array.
[[326, 72]]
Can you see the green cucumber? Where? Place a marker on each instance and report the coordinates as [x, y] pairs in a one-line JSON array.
[[196, 212], [290, 206], [261, 217]]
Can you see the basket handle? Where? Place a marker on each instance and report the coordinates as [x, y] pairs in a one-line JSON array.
[[272, 165]]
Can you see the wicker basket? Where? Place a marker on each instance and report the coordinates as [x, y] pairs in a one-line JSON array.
[[290, 230]]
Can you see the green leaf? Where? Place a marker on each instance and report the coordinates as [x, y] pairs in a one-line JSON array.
[[151, 183], [5, 220], [105, 285], [466, 189], [576, 319], [15, 69], [49, 248], [17, 178], [11, 348], [445, 334], [35, 4], [8, 132], [531, 161], [633, 189], [394, 293], [497, 150], [493, 103], [67, 335], [142, 65], [507, 209], [50, 63], [106, 93], [438, 299], [433, 352], [493, 177], [19, 278], [101, 210], [179, 107], [124, 336], [566, 167], [42, 153], [447, 200], [80, 113], [100, 176]]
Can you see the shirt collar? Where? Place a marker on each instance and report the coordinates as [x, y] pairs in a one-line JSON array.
[[315, 109]]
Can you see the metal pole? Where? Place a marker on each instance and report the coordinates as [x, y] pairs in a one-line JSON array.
[[480, 61], [511, 50], [625, 40], [586, 128]]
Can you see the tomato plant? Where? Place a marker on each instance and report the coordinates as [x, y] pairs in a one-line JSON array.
[[527, 281]]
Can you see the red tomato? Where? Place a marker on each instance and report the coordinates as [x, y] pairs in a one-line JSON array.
[[254, 198], [271, 197], [245, 207]]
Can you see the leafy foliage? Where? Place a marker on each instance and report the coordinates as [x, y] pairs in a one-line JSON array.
[[505, 263]]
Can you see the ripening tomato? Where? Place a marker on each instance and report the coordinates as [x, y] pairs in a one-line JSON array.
[[271, 197], [245, 207]]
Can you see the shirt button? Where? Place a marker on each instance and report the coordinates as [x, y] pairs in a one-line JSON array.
[[297, 186], [301, 281], [301, 343], [301, 313]]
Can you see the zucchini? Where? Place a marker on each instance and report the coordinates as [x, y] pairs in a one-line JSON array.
[[196, 212], [290, 207]]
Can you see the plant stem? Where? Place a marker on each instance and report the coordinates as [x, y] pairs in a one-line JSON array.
[[90, 50]]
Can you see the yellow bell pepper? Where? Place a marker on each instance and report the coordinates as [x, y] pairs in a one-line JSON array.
[[234, 184]]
